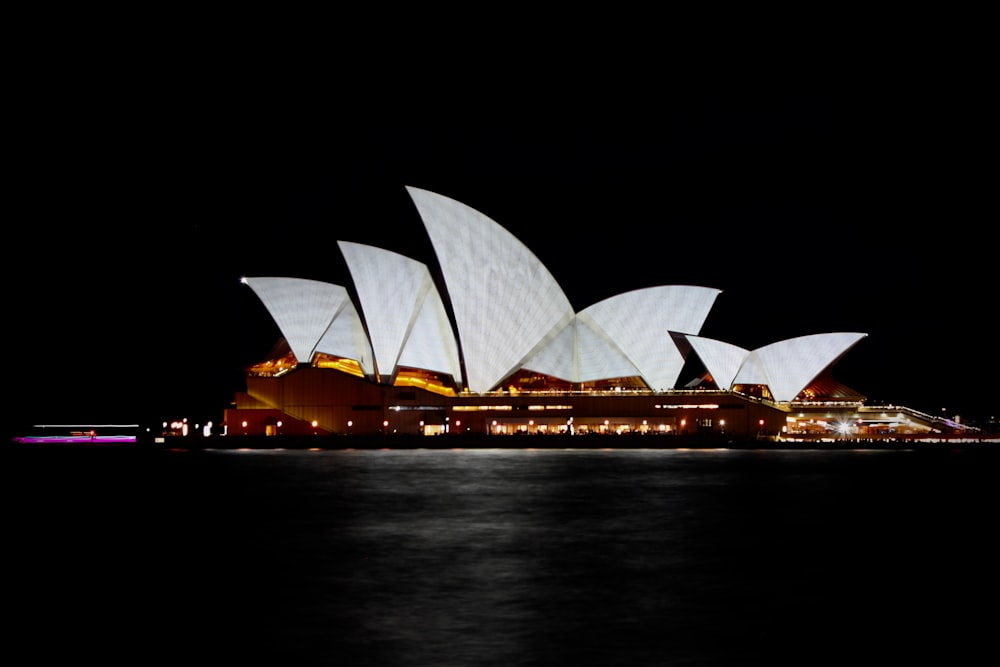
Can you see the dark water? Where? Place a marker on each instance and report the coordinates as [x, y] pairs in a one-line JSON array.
[[501, 557]]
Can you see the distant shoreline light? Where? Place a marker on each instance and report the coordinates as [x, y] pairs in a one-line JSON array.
[[77, 426], [80, 433], [62, 439]]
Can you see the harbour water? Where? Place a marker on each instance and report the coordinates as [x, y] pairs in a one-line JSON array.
[[500, 557]]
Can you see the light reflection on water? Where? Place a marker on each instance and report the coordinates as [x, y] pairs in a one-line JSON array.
[[552, 557], [586, 557]]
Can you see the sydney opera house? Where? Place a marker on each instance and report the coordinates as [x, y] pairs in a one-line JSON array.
[[486, 342]]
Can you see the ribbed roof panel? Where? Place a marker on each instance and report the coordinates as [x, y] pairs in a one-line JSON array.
[[721, 359], [558, 357], [751, 371], [639, 322], [403, 311], [431, 344], [388, 286], [598, 357], [505, 302], [580, 354], [346, 338], [792, 364], [303, 309]]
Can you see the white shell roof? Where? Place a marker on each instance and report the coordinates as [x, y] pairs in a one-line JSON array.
[[406, 318], [788, 366], [346, 338], [507, 305], [305, 310], [580, 354], [640, 322], [721, 359], [752, 371]]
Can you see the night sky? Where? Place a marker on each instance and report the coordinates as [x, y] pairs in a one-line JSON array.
[[813, 213]]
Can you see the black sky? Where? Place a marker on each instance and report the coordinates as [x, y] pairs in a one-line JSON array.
[[812, 212]]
